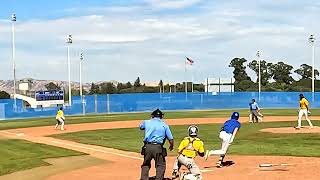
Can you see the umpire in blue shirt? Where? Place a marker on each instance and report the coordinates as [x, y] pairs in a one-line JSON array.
[[156, 131]]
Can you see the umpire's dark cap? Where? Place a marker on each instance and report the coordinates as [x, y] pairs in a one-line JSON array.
[[157, 113]]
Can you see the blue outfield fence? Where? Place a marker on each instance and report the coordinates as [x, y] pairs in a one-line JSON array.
[[115, 103]]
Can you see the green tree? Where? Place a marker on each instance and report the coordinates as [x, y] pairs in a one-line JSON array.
[[239, 72], [282, 73], [52, 86], [199, 87], [180, 87], [160, 83], [266, 70], [128, 85], [305, 71], [107, 88], [121, 86], [94, 89], [75, 91], [246, 85], [4, 95], [137, 82]]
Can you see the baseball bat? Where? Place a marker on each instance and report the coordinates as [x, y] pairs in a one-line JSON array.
[[273, 165]]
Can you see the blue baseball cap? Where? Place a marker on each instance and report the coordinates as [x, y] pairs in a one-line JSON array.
[[235, 115]]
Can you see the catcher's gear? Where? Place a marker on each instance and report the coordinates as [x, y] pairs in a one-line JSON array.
[[189, 176], [193, 130]]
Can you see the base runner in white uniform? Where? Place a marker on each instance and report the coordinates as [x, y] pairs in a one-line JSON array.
[[227, 135]]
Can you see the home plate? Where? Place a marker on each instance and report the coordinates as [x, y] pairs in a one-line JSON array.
[[20, 134], [206, 170]]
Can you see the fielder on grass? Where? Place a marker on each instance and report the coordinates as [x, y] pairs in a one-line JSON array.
[[227, 135], [189, 148], [60, 119], [304, 110]]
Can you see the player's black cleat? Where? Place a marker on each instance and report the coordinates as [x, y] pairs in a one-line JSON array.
[[219, 164], [175, 174]]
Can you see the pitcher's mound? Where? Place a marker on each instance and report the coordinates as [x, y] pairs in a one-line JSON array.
[[291, 130]]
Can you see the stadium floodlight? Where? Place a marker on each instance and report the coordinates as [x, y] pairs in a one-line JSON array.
[[69, 42], [259, 71], [13, 20], [80, 81], [80, 72], [312, 41]]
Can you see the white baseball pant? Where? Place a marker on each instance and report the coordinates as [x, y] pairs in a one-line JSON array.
[[60, 122], [225, 143], [305, 113]]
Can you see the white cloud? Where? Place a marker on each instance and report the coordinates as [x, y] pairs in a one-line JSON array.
[[130, 43], [172, 4]]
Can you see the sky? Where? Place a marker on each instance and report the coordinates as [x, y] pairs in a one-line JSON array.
[[124, 39]]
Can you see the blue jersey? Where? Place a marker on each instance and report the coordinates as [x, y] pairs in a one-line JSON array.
[[156, 131], [230, 125]]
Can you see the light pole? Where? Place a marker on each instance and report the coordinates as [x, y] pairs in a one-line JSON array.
[[80, 71], [69, 42], [13, 20], [311, 41], [259, 72]]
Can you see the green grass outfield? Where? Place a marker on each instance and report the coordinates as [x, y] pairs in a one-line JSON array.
[[17, 155], [11, 124], [249, 141]]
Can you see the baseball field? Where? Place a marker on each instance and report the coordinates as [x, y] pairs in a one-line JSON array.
[[107, 146]]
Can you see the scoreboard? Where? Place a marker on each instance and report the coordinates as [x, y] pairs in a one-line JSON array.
[[52, 95]]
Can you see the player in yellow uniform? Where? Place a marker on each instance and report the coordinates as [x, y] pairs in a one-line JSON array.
[[304, 110], [188, 149], [60, 119]]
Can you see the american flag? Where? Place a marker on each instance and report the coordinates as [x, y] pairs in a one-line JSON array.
[[189, 61]]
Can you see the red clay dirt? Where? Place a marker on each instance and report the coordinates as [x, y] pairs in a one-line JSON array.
[[126, 165], [292, 130]]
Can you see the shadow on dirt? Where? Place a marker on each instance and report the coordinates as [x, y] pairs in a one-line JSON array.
[[225, 164], [153, 178]]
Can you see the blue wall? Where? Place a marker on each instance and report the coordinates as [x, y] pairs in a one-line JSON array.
[[167, 101]]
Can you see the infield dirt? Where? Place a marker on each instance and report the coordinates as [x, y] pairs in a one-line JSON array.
[[124, 165]]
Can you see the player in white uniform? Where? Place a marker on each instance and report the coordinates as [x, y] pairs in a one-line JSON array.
[[227, 135]]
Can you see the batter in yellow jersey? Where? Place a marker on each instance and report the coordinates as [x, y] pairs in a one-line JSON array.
[[188, 149], [60, 119], [304, 110]]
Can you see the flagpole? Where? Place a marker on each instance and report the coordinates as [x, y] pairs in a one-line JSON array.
[[185, 74], [259, 75], [192, 79]]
